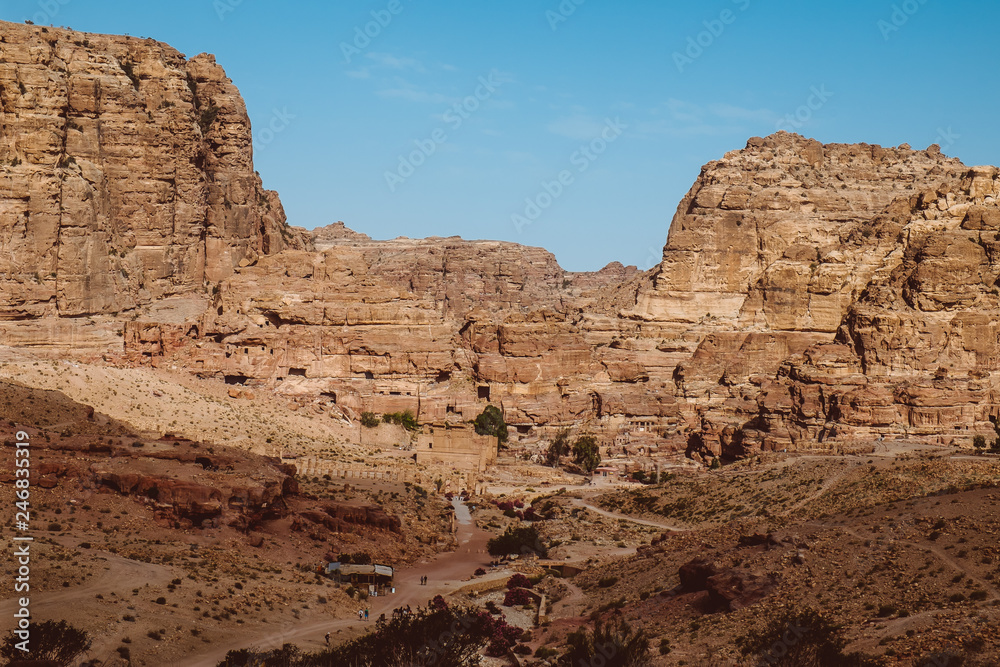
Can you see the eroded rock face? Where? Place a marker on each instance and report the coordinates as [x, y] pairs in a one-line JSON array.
[[126, 175], [808, 293], [437, 326]]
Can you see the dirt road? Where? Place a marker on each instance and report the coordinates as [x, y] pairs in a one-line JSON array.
[[624, 517], [446, 573]]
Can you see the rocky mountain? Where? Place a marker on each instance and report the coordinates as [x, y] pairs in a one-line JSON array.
[[808, 295], [126, 175]]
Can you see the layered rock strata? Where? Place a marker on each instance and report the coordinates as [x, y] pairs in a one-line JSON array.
[[126, 175], [808, 294]]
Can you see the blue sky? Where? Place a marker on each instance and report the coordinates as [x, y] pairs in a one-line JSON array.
[[579, 126]]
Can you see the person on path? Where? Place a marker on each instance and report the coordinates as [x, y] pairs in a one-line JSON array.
[[366, 613], [328, 640]]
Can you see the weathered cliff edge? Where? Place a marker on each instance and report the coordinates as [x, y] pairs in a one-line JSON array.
[[808, 293], [126, 175]]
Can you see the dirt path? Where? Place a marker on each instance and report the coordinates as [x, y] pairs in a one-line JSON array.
[[826, 486], [572, 605], [897, 626], [624, 517], [446, 573], [120, 577], [935, 551]]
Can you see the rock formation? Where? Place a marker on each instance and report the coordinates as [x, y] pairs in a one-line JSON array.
[[126, 175], [808, 294]]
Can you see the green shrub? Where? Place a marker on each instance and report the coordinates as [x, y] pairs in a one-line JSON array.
[[55, 641], [517, 540], [615, 643], [207, 118], [404, 419], [587, 453], [491, 422], [800, 638]]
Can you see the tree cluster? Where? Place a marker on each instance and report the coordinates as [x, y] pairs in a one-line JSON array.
[[586, 452]]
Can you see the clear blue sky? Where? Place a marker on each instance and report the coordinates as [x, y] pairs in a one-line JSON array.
[[558, 83]]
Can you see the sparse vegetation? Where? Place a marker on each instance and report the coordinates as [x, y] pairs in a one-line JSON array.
[[801, 638], [207, 117], [614, 644], [558, 448], [55, 641], [521, 539], [491, 422], [406, 419], [587, 453]]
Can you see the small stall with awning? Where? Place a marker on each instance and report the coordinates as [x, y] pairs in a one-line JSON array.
[[375, 577]]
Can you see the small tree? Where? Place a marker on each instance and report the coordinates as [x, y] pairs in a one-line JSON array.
[[370, 420], [800, 638], [587, 452], [517, 540], [616, 644], [404, 419], [491, 422], [436, 635], [55, 641], [286, 656], [979, 442], [558, 449]]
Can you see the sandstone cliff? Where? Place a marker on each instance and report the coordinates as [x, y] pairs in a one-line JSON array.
[[126, 175], [761, 328], [808, 294]]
